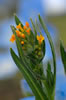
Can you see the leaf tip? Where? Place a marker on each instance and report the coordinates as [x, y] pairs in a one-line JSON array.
[[39, 15], [14, 14], [10, 49]]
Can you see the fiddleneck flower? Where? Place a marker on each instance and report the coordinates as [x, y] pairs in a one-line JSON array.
[[40, 38]]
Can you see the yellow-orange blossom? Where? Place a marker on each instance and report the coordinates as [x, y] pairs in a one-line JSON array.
[[40, 38], [12, 39], [21, 34]]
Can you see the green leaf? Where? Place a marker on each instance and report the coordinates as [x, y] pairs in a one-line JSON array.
[[51, 44], [18, 21], [48, 71], [50, 93], [50, 76], [29, 76], [33, 27], [37, 26], [63, 56], [52, 49], [43, 48], [48, 83]]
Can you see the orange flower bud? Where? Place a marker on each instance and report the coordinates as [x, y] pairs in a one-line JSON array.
[[25, 27], [28, 31], [29, 28], [18, 33], [12, 39], [23, 35], [27, 24], [20, 27]]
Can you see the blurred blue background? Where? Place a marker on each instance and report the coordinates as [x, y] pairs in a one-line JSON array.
[[12, 84]]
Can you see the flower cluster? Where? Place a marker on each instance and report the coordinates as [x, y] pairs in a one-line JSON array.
[[20, 31], [32, 50]]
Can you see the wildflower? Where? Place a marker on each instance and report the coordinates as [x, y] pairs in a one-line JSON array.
[[25, 27], [22, 42], [12, 39], [40, 38], [23, 35], [20, 27], [27, 24], [18, 33], [28, 31]]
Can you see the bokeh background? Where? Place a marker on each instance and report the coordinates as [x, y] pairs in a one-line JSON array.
[[12, 83]]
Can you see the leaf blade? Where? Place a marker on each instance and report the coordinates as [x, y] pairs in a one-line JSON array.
[[37, 26], [33, 27], [51, 44], [63, 56], [18, 21]]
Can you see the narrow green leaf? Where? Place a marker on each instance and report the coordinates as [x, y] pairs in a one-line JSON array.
[[37, 26], [51, 44], [19, 47], [63, 56], [43, 48], [48, 70], [30, 78], [53, 52], [18, 21], [50, 76], [33, 26], [50, 93]]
